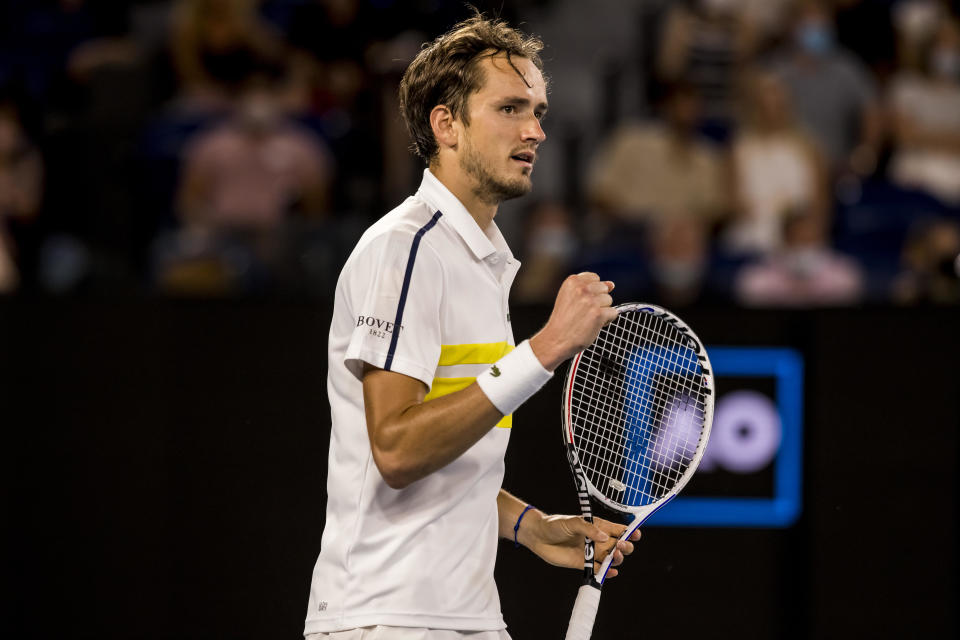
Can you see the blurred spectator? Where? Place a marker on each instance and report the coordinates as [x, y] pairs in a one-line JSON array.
[[21, 184], [925, 110], [548, 250], [914, 23], [217, 44], [90, 77], [704, 42], [832, 92], [659, 170], [254, 170], [806, 272], [251, 188], [777, 169], [679, 250], [931, 265], [770, 18]]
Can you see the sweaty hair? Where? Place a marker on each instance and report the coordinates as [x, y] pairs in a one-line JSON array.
[[447, 71]]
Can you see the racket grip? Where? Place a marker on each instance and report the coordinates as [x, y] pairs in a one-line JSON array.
[[584, 613]]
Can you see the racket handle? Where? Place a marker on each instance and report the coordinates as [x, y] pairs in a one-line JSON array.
[[584, 613]]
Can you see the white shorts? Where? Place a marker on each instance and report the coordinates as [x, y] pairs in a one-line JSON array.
[[381, 632]]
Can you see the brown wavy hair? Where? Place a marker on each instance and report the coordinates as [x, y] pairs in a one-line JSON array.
[[446, 71]]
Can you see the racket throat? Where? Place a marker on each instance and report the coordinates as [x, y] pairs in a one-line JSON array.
[[589, 554], [583, 496]]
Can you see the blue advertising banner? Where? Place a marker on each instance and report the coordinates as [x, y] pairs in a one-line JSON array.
[[751, 473]]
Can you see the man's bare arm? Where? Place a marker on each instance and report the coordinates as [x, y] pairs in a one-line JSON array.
[[411, 438]]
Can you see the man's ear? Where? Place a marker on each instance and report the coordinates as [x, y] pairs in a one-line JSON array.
[[445, 127]]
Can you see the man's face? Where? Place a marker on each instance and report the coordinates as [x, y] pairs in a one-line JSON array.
[[498, 148]]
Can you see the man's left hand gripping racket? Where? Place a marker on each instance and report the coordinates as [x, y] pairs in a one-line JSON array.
[[637, 410]]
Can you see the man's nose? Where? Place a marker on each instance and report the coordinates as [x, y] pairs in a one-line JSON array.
[[534, 130]]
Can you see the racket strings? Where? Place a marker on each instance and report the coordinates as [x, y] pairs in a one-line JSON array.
[[637, 408], [608, 407], [656, 474], [608, 450]]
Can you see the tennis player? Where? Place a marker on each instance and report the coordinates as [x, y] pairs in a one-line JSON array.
[[423, 373]]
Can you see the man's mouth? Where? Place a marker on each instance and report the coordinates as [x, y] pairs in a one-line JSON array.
[[526, 158]]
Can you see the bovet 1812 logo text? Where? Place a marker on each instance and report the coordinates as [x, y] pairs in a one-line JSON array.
[[377, 327]]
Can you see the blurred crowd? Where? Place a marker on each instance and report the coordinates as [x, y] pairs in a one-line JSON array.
[[753, 152]]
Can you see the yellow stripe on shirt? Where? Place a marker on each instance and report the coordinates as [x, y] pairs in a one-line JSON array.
[[480, 353], [445, 386]]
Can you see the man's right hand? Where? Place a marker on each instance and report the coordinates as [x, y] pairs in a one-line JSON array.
[[582, 308]]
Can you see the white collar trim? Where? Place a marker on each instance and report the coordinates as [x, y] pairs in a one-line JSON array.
[[482, 244]]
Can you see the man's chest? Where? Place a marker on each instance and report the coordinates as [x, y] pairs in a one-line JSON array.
[[475, 305]]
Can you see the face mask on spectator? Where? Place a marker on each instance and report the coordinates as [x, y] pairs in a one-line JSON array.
[[945, 63], [815, 38]]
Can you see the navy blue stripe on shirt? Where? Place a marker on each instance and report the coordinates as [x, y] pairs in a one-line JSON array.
[[406, 286]]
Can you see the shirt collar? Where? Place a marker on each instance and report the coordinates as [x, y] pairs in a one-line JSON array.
[[482, 244]]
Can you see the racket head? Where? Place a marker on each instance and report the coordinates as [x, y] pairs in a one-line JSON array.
[[637, 410]]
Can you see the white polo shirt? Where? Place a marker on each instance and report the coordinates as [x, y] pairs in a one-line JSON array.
[[424, 293]]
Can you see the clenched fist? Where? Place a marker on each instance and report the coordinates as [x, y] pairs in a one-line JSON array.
[[583, 306]]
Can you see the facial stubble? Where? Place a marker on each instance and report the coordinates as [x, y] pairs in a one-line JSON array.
[[488, 186]]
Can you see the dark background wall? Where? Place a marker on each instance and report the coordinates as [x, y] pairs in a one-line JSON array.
[[163, 473]]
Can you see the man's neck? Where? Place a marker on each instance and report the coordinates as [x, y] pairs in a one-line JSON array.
[[462, 188]]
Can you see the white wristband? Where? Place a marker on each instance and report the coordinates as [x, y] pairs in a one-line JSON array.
[[513, 378]]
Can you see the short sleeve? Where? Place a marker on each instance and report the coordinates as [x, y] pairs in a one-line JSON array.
[[396, 288]]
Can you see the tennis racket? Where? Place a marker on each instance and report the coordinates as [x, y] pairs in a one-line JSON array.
[[637, 410]]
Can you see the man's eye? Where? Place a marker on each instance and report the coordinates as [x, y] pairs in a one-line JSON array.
[[509, 109]]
